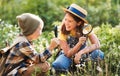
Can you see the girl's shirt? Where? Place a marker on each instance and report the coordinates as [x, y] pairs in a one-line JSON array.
[[64, 37], [71, 39]]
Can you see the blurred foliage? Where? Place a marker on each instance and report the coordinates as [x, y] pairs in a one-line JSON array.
[[110, 45], [7, 33], [104, 15], [108, 36], [103, 11]]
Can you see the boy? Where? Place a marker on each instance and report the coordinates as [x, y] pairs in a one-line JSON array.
[[23, 58]]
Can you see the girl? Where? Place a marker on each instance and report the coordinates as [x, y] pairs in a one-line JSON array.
[[72, 41]]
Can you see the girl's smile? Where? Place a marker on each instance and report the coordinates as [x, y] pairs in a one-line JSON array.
[[70, 23]]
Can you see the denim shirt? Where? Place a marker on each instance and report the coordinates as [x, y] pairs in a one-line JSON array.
[[72, 41]]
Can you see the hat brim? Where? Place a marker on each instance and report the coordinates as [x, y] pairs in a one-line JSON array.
[[66, 10]]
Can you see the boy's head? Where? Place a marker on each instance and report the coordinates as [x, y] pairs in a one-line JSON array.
[[29, 23]]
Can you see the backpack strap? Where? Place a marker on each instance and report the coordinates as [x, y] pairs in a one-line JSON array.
[[6, 50], [17, 40]]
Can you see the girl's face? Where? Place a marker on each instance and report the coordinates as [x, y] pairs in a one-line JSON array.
[[69, 22]]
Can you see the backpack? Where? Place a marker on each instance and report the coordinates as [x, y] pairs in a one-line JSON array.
[[5, 52]]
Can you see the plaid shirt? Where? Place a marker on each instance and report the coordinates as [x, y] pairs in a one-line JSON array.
[[21, 53]]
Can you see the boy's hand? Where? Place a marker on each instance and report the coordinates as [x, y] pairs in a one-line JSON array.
[[54, 43], [45, 55]]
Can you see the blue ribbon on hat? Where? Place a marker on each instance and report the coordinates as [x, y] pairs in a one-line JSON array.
[[76, 12]]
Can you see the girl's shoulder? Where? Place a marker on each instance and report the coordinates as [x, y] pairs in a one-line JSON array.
[[62, 36]]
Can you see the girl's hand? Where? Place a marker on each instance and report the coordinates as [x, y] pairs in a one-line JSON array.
[[77, 58], [82, 40]]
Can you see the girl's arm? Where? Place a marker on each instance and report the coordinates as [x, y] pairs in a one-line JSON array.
[[71, 51], [95, 44]]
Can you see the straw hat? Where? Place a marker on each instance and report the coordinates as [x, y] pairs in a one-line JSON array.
[[77, 11]]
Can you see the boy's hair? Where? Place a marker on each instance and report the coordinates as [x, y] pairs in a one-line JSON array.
[[29, 23]]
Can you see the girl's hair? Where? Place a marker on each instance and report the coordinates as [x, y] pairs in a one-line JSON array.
[[78, 28]]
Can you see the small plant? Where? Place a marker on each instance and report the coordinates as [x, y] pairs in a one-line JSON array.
[[7, 33]]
